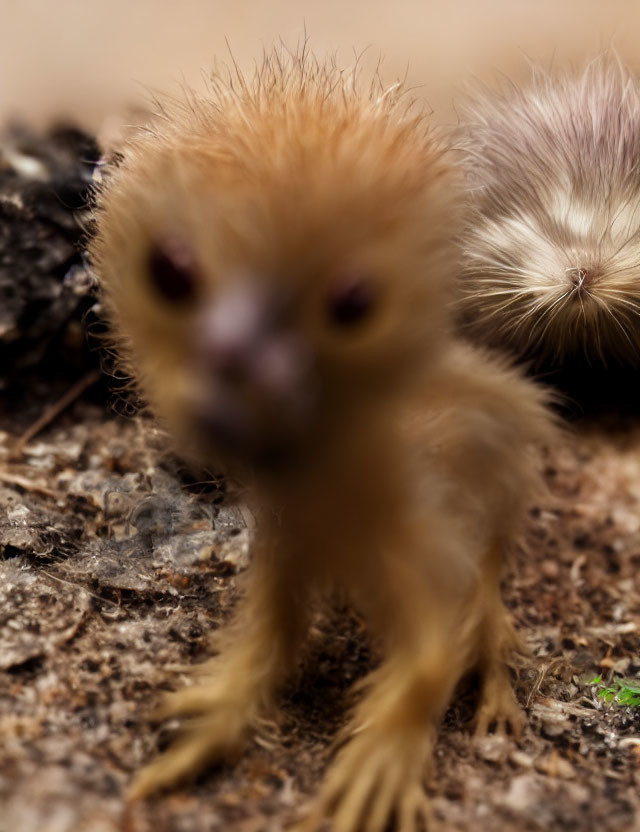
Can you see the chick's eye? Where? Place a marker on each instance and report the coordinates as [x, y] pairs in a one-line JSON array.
[[172, 272], [350, 300]]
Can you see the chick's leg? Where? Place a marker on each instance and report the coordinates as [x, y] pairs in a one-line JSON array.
[[378, 773], [232, 688], [496, 640]]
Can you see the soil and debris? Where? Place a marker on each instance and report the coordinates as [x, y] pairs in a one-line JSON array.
[[116, 565], [46, 291], [115, 568]]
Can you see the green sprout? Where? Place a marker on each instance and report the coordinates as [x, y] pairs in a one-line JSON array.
[[621, 691]]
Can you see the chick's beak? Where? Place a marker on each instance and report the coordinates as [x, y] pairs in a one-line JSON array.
[[255, 368]]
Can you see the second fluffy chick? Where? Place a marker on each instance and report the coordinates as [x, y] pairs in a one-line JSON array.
[[276, 260], [551, 245]]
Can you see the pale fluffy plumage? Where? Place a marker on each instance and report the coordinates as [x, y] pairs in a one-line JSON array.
[[551, 245], [410, 466]]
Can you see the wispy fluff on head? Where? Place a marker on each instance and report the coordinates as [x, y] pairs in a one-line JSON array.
[[551, 248]]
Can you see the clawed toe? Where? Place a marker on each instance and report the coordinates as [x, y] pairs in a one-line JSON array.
[[414, 808], [371, 783], [189, 701], [215, 736], [503, 718], [498, 712], [176, 765]]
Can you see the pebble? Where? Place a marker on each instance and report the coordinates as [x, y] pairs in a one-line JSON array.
[[550, 568]]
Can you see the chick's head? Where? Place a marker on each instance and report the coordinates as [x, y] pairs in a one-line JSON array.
[[277, 265]]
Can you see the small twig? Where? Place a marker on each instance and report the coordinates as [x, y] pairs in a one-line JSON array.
[[29, 485], [538, 683], [71, 632], [76, 586], [54, 410]]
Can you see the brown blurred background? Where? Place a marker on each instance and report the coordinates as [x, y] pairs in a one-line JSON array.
[[89, 58]]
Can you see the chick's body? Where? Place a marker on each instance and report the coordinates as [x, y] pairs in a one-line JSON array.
[[276, 260]]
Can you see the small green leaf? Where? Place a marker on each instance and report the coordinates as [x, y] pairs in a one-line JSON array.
[[622, 691]]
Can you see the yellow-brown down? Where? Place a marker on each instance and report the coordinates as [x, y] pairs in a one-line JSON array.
[[276, 259]]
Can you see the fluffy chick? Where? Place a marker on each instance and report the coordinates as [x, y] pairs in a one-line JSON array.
[[552, 240], [276, 259]]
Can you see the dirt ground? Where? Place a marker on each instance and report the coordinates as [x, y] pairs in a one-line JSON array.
[[115, 567]]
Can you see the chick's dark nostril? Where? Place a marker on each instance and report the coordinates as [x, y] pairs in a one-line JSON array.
[[579, 277], [226, 354], [230, 362]]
